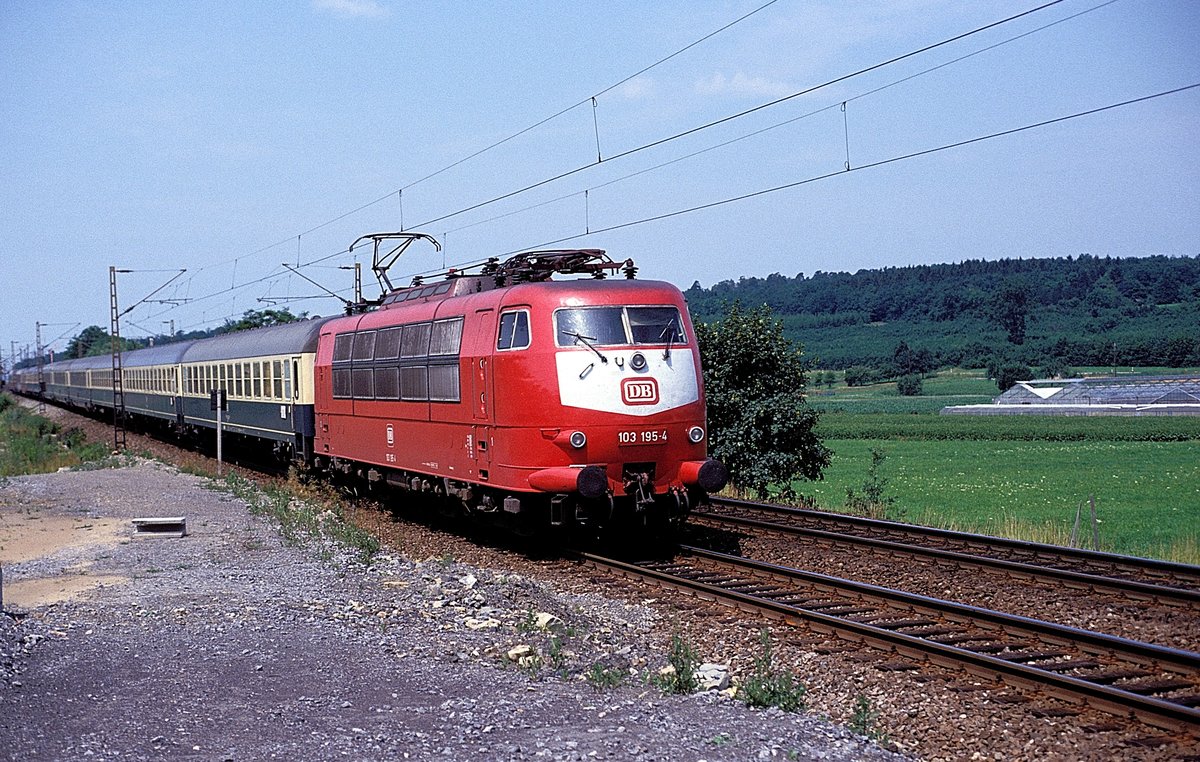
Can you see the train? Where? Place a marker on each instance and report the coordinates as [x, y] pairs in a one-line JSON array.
[[511, 390]]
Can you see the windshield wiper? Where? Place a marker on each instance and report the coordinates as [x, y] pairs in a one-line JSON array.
[[587, 342], [669, 334]]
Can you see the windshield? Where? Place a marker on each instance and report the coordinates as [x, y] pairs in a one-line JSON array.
[[618, 325]]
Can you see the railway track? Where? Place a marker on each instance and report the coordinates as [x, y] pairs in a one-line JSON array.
[[1140, 578], [1157, 685]]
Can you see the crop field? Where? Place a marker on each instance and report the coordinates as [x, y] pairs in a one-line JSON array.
[[1021, 477], [1147, 493]]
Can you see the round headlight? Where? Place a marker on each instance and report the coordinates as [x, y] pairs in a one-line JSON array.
[[696, 434], [638, 361], [578, 439]]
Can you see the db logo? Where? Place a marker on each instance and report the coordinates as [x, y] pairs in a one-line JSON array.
[[639, 391]]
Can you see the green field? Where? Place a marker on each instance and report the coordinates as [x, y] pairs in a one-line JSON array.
[[1021, 477], [1147, 493]]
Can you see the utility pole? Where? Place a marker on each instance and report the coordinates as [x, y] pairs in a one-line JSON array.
[[118, 387], [115, 313], [41, 365]]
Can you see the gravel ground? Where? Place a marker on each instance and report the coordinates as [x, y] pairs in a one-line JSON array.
[[1175, 626], [914, 708], [233, 644]]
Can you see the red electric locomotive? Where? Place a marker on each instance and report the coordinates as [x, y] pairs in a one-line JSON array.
[[561, 402]]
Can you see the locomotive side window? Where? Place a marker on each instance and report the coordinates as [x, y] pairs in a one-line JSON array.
[[387, 383], [416, 340], [387, 344], [514, 330], [415, 363], [446, 337], [341, 346], [443, 383], [414, 384], [363, 383], [364, 345], [341, 382]]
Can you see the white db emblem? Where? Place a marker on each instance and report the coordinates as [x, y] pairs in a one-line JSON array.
[[639, 391]]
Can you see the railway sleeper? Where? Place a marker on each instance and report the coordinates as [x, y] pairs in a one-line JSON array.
[[1152, 687], [1112, 676], [1029, 657], [1067, 666], [906, 624]]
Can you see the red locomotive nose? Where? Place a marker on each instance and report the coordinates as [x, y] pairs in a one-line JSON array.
[[710, 475]]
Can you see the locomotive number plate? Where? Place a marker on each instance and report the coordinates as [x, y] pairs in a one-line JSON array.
[[647, 437]]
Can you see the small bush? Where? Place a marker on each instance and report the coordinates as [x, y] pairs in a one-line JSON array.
[[909, 386], [684, 659], [864, 720], [601, 677], [768, 687], [871, 502]]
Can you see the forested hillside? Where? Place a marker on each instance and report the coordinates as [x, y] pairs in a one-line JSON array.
[[1044, 313]]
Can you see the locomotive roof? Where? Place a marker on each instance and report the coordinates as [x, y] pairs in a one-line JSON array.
[[289, 338]]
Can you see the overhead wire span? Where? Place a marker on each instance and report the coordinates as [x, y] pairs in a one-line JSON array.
[[869, 165], [786, 122], [591, 98], [740, 114]]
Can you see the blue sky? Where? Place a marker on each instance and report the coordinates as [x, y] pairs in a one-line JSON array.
[[222, 137]]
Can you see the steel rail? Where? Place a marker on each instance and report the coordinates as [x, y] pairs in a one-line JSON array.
[[1132, 588], [1103, 696], [1132, 565]]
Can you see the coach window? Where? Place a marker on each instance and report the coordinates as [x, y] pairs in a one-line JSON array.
[[287, 379], [221, 378], [514, 330], [277, 379], [237, 379], [256, 368]]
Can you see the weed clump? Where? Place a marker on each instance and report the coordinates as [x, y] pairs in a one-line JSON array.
[[768, 687]]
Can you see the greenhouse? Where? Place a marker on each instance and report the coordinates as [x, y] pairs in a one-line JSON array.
[[1133, 395]]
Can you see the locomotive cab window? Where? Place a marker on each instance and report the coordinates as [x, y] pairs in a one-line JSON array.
[[514, 330], [655, 325], [618, 325]]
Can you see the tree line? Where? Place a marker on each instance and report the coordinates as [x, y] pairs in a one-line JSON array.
[[1083, 310]]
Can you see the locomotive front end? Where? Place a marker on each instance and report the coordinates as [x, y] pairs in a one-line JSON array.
[[620, 405]]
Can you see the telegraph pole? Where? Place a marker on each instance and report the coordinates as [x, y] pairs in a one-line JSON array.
[[41, 365], [118, 387]]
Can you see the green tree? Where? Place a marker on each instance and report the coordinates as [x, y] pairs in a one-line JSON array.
[[260, 319], [759, 421], [1011, 308], [88, 339], [94, 340], [909, 386], [1011, 374]]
